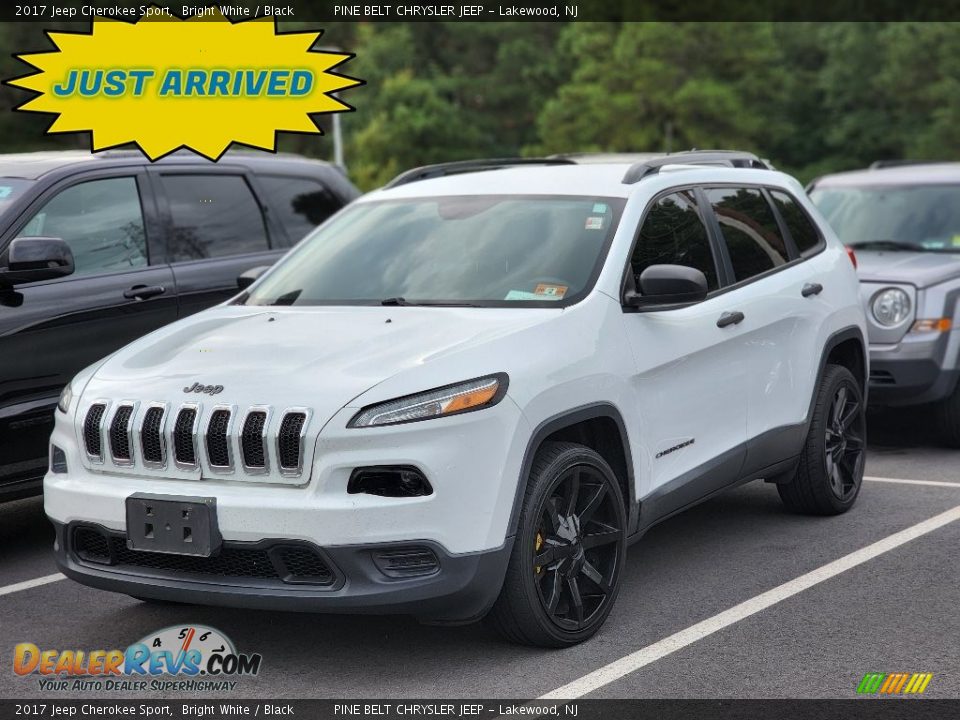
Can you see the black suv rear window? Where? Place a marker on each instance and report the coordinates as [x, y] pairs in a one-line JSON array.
[[301, 203], [800, 227]]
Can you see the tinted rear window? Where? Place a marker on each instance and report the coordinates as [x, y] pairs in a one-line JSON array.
[[802, 230]]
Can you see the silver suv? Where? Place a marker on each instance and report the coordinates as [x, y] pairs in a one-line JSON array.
[[903, 221]]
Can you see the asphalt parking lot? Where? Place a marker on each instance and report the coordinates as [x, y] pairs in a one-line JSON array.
[[694, 618]]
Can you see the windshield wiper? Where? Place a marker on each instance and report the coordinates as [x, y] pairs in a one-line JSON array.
[[886, 245], [403, 302]]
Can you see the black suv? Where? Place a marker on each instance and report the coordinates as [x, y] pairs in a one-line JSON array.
[[97, 250]]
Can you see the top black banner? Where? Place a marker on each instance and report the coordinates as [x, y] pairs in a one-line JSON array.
[[326, 11]]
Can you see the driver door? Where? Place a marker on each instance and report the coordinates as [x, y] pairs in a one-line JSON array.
[[50, 330], [690, 376]]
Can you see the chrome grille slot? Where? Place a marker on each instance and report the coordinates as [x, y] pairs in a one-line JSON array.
[[151, 436], [290, 441], [184, 447], [218, 444], [120, 434], [252, 443], [91, 431]]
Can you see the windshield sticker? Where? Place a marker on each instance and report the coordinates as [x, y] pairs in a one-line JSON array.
[[558, 292], [600, 208], [5, 191], [956, 241], [550, 292], [594, 222]]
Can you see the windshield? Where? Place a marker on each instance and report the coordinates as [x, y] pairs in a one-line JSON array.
[[918, 217], [488, 251], [10, 190]]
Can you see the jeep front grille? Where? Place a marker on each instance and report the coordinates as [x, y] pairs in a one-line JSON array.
[[252, 442], [120, 433], [151, 436], [289, 440], [91, 430], [184, 449], [218, 444], [144, 436]]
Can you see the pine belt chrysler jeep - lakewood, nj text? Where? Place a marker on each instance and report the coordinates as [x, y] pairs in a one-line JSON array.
[[464, 394]]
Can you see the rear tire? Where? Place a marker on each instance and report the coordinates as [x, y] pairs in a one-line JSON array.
[[948, 416], [565, 567], [830, 472]]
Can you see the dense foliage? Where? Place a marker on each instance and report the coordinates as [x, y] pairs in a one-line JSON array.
[[812, 97]]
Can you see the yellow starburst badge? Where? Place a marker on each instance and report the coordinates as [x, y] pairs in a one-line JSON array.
[[201, 83]]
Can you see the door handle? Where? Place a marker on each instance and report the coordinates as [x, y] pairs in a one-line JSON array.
[[142, 292], [811, 289], [730, 318]]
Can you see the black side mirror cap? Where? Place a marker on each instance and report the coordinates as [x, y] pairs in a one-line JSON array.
[[31, 259], [249, 277], [668, 285]]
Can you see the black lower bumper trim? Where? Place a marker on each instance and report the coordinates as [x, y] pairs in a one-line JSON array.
[[909, 382], [463, 589]]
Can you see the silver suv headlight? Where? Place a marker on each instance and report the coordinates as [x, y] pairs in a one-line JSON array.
[[66, 397], [448, 400], [891, 306]]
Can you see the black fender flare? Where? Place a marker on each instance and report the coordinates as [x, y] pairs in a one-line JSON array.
[[566, 419]]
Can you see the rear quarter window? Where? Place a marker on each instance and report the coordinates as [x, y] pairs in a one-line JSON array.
[[801, 228], [301, 203]]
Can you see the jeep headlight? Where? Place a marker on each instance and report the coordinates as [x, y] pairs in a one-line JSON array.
[[66, 397], [891, 306], [448, 400]]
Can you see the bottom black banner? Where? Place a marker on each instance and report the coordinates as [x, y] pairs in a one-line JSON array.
[[869, 709]]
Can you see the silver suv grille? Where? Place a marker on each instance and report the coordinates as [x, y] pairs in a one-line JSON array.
[[253, 441]]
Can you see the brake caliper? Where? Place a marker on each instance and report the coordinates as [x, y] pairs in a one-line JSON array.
[[536, 548]]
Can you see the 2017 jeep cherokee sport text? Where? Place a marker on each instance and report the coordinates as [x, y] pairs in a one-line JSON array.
[[466, 393]]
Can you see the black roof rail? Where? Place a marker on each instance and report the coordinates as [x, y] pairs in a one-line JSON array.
[[728, 158], [464, 166]]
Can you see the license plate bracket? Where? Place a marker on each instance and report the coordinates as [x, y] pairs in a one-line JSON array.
[[173, 524]]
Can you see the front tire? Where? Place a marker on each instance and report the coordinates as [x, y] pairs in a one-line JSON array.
[[830, 473], [565, 567]]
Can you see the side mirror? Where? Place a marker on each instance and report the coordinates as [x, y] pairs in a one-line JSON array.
[[30, 259], [662, 285], [248, 278]]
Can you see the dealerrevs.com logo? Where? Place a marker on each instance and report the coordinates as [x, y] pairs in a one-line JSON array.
[[191, 658]]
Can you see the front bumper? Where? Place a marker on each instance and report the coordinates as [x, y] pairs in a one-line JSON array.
[[909, 382], [915, 371], [461, 588]]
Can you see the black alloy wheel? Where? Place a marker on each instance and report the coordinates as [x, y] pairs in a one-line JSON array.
[[576, 548], [844, 443], [568, 553]]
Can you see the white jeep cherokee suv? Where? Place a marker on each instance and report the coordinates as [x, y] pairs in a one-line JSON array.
[[468, 392]]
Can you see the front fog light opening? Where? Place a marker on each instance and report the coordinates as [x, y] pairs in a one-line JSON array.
[[58, 460], [890, 306], [389, 481], [406, 562]]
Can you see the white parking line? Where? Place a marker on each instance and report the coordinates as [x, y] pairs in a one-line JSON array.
[[651, 653], [27, 584], [901, 481]]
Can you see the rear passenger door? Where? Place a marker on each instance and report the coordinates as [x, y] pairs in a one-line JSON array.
[[215, 228], [779, 296]]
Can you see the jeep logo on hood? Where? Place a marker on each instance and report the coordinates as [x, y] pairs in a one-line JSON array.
[[208, 389]]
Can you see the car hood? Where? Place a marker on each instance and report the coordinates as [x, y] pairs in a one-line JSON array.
[[917, 268], [324, 356]]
